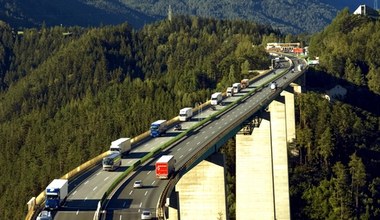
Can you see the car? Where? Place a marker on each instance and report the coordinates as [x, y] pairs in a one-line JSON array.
[[44, 215], [177, 127], [146, 214], [138, 184]]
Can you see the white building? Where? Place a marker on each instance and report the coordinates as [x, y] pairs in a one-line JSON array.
[[367, 11]]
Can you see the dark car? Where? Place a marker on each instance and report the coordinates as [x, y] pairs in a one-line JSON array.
[[177, 127]]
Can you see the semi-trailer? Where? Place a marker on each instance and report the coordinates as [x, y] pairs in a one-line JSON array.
[[216, 98], [112, 161], [165, 166], [56, 193], [121, 145], [236, 87], [185, 114], [158, 127], [230, 91]]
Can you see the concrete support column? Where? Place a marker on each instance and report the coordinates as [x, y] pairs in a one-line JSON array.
[[202, 191], [290, 116], [280, 159], [254, 180]]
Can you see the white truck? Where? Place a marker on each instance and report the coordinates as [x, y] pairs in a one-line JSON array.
[[236, 87], [185, 114], [216, 98], [230, 91], [121, 145], [56, 193]]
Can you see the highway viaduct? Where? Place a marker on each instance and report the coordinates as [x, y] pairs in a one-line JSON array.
[[198, 190]]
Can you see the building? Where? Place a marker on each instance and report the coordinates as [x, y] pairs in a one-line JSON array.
[[282, 47], [366, 11]]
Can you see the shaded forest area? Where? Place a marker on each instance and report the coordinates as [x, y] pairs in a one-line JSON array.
[[335, 174], [66, 93]]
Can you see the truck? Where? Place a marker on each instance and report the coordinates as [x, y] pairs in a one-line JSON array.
[[185, 114], [165, 166], [158, 127], [244, 83], [216, 98], [230, 91], [236, 87], [112, 161], [56, 193], [300, 67], [121, 145], [273, 86]]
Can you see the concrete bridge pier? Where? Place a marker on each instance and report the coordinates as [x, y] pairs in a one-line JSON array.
[[262, 182], [201, 192]]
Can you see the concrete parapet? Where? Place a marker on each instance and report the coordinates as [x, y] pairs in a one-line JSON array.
[[202, 191]]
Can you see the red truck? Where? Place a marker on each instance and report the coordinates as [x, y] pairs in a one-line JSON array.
[[165, 166]]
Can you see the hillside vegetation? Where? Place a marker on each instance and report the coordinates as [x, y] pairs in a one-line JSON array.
[[289, 16], [64, 98], [335, 175]]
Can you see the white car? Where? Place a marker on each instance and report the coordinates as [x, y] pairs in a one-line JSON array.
[[44, 215], [146, 214], [137, 184]]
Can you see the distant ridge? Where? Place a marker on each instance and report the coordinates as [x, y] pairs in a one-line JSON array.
[[289, 16]]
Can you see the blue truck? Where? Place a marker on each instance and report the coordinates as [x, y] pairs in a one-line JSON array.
[[158, 127], [56, 193]]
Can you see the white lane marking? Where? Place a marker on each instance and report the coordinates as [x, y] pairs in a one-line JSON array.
[[85, 198], [190, 149], [146, 192], [95, 188], [130, 192], [98, 173], [188, 143], [198, 143], [153, 182], [140, 204], [178, 149], [106, 178], [148, 172], [181, 156], [206, 137], [120, 217], [129, 162], [78, 212], [86, 182], [74, 192], [195, 137]]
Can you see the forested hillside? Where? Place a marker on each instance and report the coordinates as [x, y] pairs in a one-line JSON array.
[[335, 172], [289, 16], [65, 97]]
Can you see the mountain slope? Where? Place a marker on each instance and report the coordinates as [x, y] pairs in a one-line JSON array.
[[290, 16]]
